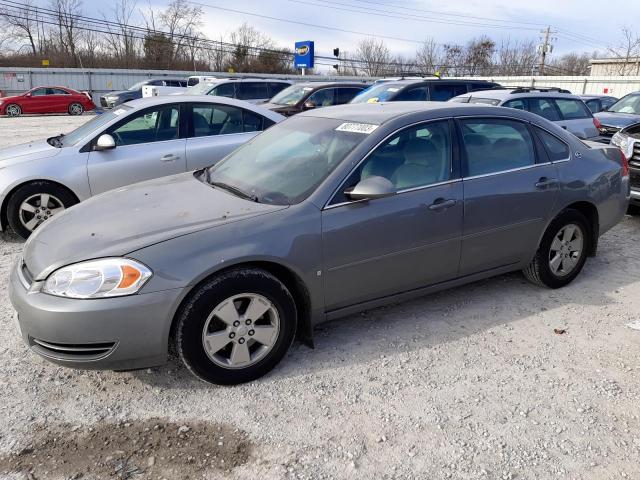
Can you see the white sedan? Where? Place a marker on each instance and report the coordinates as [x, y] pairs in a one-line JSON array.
[[140, 140]]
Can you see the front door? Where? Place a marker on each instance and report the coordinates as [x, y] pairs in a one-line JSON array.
[[376, 248], [148, 145], [508, 193]]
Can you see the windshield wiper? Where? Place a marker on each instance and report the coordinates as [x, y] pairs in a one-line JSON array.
[[235, 190]]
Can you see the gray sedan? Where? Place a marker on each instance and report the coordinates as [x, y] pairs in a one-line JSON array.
[[328, 213], [141, 140]]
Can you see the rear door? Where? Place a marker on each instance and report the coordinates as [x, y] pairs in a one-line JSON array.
[[576, 117], [406, 241], [149, 144], [215, 130], [509, 192]]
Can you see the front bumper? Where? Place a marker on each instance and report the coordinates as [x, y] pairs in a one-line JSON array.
[[108, 103], [108, 334]]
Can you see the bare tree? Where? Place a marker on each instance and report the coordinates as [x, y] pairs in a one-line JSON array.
[[572, 64], [478, 57], [217, 55], [453, 59], [517, 58], [627, 53], [373, 57], [24, 24], [121, 39], [67, 29], [429, 56]]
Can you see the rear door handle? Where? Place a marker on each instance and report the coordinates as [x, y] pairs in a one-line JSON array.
[[170, 157], [545, 182], [442, 204]]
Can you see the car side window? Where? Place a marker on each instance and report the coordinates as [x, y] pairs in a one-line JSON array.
[[346, 94], [594, 105], [418, 94], [211, 120], [322, 98], [59, 91], [496, 145], [518, 104], [224, 90], [572, 109], [252, 90], [155, 125], [276, 87], [556, 148], [417, 156], [39, 92], [442, 93], [545, 108]]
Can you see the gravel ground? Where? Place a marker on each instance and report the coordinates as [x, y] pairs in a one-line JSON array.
[[472, 383]]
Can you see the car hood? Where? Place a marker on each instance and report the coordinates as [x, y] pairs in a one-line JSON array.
[[27, 152], [121, 221], [278, 108], [10, 99], [619, 120]]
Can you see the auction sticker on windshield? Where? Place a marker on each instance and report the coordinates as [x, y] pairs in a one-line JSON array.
[[352, 127]]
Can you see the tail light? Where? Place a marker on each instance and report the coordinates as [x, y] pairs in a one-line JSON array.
[[597, 123], [86, 94], [625, 165]]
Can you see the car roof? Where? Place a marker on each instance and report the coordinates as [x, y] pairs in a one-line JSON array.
[[506, 94], [381, 112], [168, 99], [596, 96], [331, 84]]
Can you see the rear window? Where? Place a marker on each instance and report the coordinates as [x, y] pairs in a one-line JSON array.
[[572, 109], [545, 108], [484, 101]]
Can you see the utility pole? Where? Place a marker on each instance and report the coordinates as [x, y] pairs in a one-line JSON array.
[[545, 47]]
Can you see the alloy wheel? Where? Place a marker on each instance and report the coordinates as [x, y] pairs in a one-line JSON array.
[[75, 109], [566, 250], [38, 208], [13, 110], [241, 330]]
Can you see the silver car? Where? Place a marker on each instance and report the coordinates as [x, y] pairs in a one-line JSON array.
[[328, 213], [568, 111], [137, 141]]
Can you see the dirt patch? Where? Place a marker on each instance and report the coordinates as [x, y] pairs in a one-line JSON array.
[[152, 448]]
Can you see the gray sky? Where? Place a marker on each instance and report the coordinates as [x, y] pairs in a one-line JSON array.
[[583, 25]]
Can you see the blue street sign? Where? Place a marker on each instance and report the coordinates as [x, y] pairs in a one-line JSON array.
[[304, 55]]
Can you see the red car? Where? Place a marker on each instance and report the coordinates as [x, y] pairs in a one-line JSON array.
[[47, 100]]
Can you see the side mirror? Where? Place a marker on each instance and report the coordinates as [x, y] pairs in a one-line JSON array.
[[371, 188], [309, 104], [104, 142], [28, 94]]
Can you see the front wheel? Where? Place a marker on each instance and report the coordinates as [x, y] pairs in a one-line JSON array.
[[34, 203], [76, 109], [13, 110], [562, 252], [236, 327]]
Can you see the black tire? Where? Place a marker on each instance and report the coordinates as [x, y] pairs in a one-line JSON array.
[[633, 210], [194, 313], [539, 271], [29, 190], [13, 110], [75, 109]]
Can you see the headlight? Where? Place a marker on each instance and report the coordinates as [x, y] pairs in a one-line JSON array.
[[624, 142], [109, 277]]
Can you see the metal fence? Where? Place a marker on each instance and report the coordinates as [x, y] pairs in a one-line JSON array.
[[100, 81]]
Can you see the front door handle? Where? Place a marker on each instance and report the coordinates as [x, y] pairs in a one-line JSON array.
[[545, 182], [442, 204], [170, 157]]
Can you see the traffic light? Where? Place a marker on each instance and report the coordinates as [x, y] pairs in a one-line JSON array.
[[336, 52]]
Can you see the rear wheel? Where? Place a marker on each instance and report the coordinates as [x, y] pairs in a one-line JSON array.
[[76, 109], [34, 203], [562, 252], [236, 327], [13, 110]]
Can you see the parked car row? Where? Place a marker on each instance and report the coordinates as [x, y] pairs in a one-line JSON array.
[[326, 213]]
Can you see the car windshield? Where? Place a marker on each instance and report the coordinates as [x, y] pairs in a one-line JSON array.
[[628, 104], [201, 88], [291, 95], [287, 162], [377, 93], [92, 125], [138, 85]]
